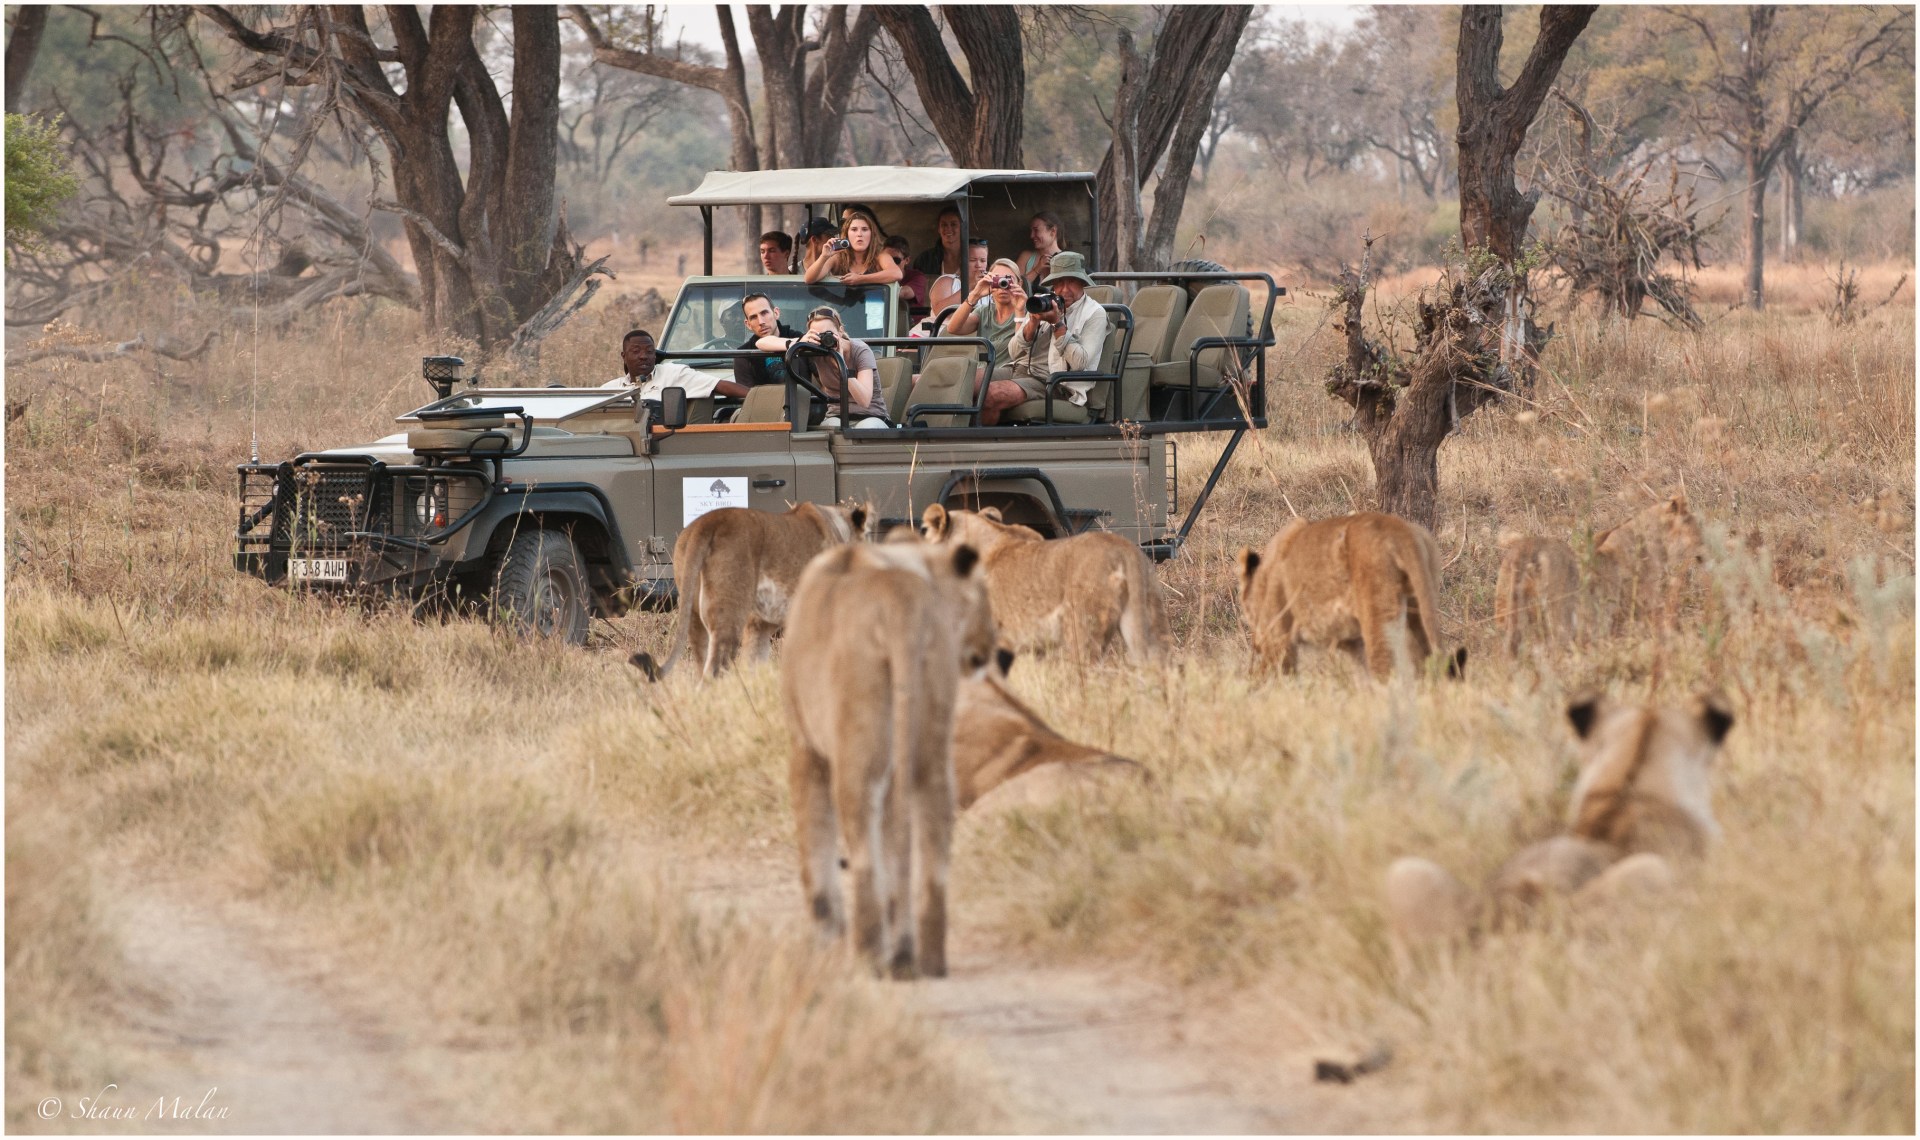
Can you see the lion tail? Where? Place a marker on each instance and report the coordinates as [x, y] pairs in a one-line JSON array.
[[688, 577], [1421, 578]]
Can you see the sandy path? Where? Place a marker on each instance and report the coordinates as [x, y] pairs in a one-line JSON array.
[[220, 1004], [1078, 1049]]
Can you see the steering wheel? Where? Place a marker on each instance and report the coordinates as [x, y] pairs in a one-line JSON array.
[[718, 343], [793, 369]]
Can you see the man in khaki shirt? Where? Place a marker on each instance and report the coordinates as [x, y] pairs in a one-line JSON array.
[[1077, 328]]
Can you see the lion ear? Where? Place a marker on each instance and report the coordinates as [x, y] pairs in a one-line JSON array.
[[858, 519], [1249, 560], [933, 522], [965, 558], [1583, 713], [992, 513], [1715, 716], [1003, 658]]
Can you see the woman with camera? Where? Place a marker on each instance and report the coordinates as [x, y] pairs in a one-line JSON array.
[[854, 257], [866, 403], [995, 306]]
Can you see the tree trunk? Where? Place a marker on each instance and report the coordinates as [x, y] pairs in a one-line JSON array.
[[979, 125], [23, 44], [1406, 449], [1170, 193], [1183, 75], [1125, 130], [1494, 120], [1792, 203], [1756, 231]]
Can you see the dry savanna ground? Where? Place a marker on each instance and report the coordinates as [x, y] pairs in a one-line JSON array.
[[493, 839]]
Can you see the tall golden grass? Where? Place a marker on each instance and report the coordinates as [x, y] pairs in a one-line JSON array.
[[494, 829]]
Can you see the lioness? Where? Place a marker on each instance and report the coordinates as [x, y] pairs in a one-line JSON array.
[[736, 570], [1002, 746], [1641, 800], [1343, 582], [1081, 592], [878, 639], [1643, 564], [1538, 585]]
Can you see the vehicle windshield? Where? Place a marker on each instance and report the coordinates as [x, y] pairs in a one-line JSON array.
[[543, 404], [708, 314]]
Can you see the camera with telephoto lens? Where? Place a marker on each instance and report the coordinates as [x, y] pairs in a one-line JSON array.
[[839, 245], [1043, 302]]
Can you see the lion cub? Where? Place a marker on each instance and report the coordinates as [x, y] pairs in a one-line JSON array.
[[1082, 592], [878, 640], [1642, 565], [736, 569], [1343, 582], [1538, 585], [1641, 801]]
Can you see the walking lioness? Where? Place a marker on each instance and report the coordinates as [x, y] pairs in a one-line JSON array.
[[878, 640], [1343, 582], [1641, 801], [1082, 592], [736, 569], [1538, 585]]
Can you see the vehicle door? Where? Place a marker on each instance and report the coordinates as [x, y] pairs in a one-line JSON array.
[[710, 466]]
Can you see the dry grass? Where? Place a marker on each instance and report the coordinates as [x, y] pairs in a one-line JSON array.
[[524, 808]]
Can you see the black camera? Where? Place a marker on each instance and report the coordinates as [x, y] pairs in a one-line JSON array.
[[839, 245], [828, 340], [1044, 301]]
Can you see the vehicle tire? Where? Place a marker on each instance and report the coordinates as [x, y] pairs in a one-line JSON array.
[[1202, 265], [539, 589]]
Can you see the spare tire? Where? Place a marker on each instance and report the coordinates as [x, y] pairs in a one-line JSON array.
[[1202, 265]]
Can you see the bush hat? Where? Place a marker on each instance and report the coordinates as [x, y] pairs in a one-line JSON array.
[[1068, 266]]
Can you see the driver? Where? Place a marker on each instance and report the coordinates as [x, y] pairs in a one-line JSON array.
[[645, 369], [767, 333]]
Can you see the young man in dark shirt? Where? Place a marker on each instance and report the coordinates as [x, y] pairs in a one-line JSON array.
[[765, 331]]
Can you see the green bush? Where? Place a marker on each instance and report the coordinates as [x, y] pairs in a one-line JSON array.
[[38, 177]]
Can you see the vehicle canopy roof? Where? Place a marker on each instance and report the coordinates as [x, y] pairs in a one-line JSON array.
[[994, 204]]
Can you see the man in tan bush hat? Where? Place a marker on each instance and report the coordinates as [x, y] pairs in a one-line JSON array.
[[1078, 328]]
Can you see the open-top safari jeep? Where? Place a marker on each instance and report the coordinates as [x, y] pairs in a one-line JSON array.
[[553, 504]]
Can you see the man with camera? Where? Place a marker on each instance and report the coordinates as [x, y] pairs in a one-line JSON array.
[[1077, 328]]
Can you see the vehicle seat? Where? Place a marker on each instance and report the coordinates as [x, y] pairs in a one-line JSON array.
[[1219, 310], [948, 383], [894, 375], [1103, 294], [1158, 311], [764, 404]]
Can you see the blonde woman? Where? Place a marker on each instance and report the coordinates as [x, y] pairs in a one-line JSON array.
[[1048, 236], [865, 401], [992, 310], [857, 261]]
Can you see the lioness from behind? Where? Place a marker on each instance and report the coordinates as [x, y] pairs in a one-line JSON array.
[[737, 569], [878, 640], [1539, 584], [1344, 582], [1082, 592], [1641, 567], [1640, 802]]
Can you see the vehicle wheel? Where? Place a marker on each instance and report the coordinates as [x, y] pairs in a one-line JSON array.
[[1202, 265], [539, 589]]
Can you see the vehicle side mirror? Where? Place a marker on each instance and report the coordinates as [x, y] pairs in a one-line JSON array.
[[673, 408]]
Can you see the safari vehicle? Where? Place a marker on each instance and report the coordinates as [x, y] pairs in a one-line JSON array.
[[548, 505]]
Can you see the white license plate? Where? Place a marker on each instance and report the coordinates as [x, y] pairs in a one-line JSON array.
[[317, 569]]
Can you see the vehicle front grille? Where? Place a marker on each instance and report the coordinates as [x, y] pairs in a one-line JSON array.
[[328, 503]]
